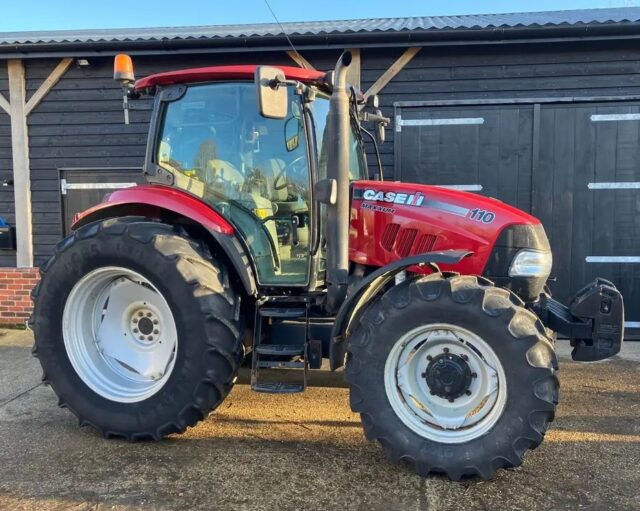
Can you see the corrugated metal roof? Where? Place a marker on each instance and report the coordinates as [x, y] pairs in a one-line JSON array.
[[317, 28]]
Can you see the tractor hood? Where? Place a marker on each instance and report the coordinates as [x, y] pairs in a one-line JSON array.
[[391, 220]]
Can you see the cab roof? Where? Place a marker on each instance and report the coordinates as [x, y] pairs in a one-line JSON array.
[[221, 73]]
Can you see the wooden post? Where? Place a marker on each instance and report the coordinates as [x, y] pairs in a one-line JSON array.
[[47, 85], [21, 169], [300, 60], [390, 73], [19, 108]]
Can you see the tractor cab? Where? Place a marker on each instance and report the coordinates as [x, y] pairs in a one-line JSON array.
[[210, 138]]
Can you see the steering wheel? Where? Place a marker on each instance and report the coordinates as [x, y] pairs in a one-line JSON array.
[[276, 182]]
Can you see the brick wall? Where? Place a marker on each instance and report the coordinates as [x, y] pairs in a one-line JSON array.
[[15, 294]]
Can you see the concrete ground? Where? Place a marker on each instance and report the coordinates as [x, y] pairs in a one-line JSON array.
[[307, 451]]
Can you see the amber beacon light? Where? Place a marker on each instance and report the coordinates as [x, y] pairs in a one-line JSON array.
[[123, 69]]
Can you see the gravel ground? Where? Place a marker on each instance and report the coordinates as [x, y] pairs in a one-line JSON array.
[[261, 451]]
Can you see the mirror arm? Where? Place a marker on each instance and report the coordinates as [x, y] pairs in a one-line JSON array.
[[377, 150], [370, 117]]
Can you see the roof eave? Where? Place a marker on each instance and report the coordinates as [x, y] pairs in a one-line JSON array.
[[428, 37]]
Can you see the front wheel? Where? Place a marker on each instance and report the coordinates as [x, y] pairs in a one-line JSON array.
[[452, 375], [136, 328]]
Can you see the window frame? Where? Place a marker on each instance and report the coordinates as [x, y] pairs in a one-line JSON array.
[[156, 173]]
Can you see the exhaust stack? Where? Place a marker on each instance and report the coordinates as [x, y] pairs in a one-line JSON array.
[[338, 210]]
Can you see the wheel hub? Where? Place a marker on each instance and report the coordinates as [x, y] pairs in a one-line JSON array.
[[448, 376], [445, 383], [144, 325]]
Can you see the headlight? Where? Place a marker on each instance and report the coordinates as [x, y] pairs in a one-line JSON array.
[[530, 263]]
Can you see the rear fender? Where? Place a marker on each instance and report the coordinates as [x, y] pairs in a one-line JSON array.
[[372, 284], [176, 207]]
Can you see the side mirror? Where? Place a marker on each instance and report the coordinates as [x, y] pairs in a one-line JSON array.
[[373, 101], [326, 191], [380, 129], [273, 99], [292, 133]]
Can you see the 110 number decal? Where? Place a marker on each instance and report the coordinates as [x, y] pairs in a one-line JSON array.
[[480, 215]]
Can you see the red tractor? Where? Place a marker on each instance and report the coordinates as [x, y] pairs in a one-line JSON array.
[[261, 235]]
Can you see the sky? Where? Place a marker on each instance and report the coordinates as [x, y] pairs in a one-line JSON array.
[[22, 15]]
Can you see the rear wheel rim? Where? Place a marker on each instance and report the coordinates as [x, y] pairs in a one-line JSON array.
[[119, 334], [473, 405]]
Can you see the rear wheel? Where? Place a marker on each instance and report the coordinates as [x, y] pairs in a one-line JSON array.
[[453, 376], [136, 329]]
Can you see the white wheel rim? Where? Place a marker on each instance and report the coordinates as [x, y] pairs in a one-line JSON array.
[[119, 334], [433, 417]]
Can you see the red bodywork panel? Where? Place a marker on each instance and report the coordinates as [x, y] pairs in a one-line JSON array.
[[391, 220], [218, 73], [145, 198]]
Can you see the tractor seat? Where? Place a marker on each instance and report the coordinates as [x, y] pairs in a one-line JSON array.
[[221, 172]]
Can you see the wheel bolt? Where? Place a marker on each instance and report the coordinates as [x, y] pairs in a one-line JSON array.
[[150, 338], [451, 400], [142, 337], [140, 314], [464, 357], [155, 321], [135, 330], [446, 350], [429, 358], [135, 320], [474, 375], [148, 314], [468, 392], [424, 375], [156, 332]]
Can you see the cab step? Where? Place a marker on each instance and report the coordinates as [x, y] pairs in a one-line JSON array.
[[278, 387], [284, 350], [269, 356], [282, 312]]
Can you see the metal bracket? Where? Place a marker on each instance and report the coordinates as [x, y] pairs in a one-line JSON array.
[[400, 122], [64, 186]]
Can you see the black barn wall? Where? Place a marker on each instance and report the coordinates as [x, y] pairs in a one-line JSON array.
[[79, 123]]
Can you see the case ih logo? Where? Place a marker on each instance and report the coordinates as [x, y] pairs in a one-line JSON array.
[[406, 199]]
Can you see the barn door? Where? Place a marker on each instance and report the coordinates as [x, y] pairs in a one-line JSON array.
[[82, 188], [575, 166], [586, 191], [486, 149]]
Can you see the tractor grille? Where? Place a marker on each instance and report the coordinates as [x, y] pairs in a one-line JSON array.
[[424, 244], [389, 236], [405, 241]]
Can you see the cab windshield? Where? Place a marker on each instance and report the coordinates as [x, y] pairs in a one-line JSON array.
[[253, 170]]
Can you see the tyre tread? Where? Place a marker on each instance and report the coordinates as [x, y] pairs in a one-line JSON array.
[[219, 311], [497, 304]]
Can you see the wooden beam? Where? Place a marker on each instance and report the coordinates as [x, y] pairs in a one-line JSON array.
[[47, 85], [21, 169], [4, 104], [390, 73], [353, 72], [300, 60]]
